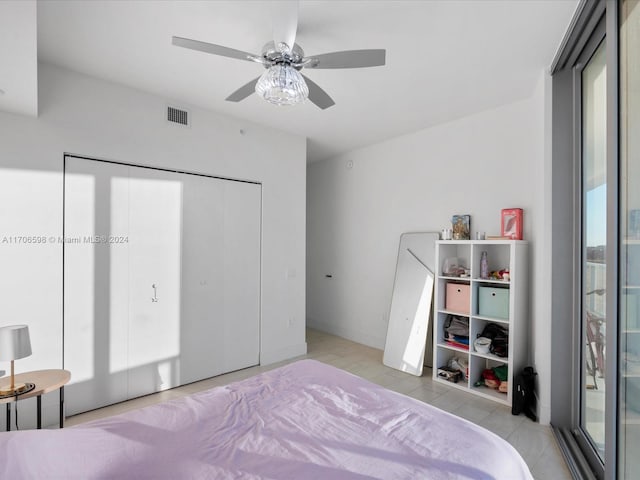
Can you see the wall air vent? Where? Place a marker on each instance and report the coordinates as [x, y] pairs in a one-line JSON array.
[[177, 115]]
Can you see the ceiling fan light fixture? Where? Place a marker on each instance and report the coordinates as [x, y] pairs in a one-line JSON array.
[[281, 84]]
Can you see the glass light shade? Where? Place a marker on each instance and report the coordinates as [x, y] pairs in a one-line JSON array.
[[282, 84]]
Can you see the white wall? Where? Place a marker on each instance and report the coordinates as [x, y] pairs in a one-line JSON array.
[[541, 294], [86, 116], [359, 203], [19, 56]]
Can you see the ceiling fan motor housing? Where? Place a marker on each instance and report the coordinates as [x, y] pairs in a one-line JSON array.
[[274, 56]]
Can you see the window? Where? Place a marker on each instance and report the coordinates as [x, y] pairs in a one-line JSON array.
[[629, 243]]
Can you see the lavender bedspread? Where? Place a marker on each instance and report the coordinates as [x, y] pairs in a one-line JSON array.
[[304, 421]]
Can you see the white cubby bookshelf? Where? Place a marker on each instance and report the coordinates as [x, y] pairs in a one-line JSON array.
[[501, 254]]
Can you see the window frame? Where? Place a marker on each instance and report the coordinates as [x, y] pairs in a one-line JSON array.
[[594, 21]]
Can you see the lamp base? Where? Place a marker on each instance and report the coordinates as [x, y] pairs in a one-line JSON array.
[[17, 389]]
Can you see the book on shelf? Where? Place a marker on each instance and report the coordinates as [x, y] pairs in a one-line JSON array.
[[497, 237], [511, 223]]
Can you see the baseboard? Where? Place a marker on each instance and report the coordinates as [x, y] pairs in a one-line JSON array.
[[273, 356], [352, 334], [544, 414]]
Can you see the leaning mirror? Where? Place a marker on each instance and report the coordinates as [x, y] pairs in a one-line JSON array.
[[411, 303]]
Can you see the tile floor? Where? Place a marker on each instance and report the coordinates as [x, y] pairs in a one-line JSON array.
[[535, 442]]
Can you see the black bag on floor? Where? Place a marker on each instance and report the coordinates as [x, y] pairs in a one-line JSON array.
[[524, 399]]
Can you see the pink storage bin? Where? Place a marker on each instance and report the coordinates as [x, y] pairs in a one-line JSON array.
[[457, 298]]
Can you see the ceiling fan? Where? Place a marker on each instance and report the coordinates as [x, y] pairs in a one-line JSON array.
[[282, 83]]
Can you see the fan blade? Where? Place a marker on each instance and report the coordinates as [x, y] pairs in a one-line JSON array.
[[317, 95], [214, 49], [243, 92], [348, 59], [284, 15]]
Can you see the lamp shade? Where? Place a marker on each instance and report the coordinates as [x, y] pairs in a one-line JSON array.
[[14, 342]]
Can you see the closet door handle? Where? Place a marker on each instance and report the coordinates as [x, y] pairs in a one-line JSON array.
[[154, 299]]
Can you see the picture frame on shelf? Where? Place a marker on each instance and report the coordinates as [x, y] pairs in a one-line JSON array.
[[511, 223], [461, 226]]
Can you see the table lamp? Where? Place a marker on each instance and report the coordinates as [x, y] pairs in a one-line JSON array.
[[14, 344]]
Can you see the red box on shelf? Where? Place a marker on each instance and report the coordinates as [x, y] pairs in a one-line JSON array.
[[511, 223]]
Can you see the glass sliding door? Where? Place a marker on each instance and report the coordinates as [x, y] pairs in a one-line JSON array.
[[593, 248], [629, 248], [596, 92]]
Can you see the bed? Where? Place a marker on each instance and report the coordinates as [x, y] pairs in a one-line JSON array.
[[303, 421]]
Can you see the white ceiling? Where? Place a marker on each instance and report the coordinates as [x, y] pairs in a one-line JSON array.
[[445, 58]]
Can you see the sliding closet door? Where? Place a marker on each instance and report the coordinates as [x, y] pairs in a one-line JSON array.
[[220, 277], [241, 263], [96, 283], [202, 279], [162, 280], [155, 251]]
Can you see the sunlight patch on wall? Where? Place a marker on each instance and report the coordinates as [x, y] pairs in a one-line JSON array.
[[79, 282], [155, 235]]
